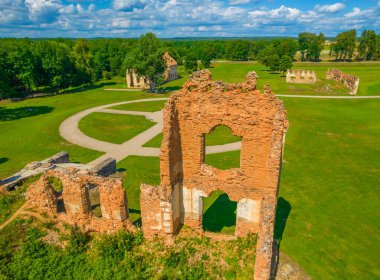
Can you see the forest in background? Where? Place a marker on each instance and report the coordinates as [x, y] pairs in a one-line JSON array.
[[28, 66]]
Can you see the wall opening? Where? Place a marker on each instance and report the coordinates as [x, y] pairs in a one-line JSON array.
[[94, 195], [219, 213], [57, 186], [221, 135]]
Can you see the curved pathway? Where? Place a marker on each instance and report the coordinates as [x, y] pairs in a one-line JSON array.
[[70, 131]]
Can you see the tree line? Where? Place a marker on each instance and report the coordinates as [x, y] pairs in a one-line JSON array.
[[52, 65]]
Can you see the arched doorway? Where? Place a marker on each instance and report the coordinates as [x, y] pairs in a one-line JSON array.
[[219, 213]]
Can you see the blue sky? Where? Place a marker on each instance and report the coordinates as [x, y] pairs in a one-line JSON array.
[[184, 18]]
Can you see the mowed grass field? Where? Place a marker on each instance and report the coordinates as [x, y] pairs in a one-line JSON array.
[[113, 128], [369, 74], [29, 130], [328, 212]]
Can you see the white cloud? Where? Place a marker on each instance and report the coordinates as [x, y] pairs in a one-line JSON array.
[[239, 2], [43, 10], [355, 12], [330, 8], [129, 5]]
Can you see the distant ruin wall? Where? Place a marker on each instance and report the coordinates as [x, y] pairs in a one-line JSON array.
[[297, 76], [350, 81], [72, 205]]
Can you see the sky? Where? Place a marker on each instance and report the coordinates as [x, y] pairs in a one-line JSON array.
[[184, 18]]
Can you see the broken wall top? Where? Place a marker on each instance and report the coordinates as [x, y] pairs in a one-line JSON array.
[[199, 107]]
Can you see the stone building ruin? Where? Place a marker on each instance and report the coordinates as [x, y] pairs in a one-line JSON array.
[[72, 205], [200, 106], [170, 74], [350, 81], [297, 76]]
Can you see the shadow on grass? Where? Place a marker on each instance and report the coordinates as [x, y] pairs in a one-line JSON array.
[[23, 112], [173, 88], [283, 210], [3, 159], [138, 222], [222, 213], [88, 87]]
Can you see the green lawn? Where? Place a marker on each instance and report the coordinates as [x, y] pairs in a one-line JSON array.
[[138, 170], [368, 73], [151, 106], [113, 128], [155, 142], [29, 129], [225, 160], [328, 212], [221, 135]]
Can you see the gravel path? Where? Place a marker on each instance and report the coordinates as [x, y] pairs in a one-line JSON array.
[[70, 131]]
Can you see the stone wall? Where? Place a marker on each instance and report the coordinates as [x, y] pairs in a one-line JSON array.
[[170, 73], [200, 106], [350, 81], [75, 206], [105, 168], [297, 76]]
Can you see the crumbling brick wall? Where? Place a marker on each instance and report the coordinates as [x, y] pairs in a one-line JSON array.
[[350, 81], [200, 106], [77, 205], [298, 76]]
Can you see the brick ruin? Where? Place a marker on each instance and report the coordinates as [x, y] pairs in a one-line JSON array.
[[200, 106], [170, 73], [72, 205], [350, 81], [300, 77]]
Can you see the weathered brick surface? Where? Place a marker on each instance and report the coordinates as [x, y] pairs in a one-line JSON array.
[[77, 206], [350, 81], [298, 76], [200, 106]]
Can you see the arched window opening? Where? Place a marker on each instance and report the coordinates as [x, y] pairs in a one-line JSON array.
[[219, 213], [222, 148]]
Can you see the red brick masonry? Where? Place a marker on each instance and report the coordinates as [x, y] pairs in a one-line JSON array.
[[200, 106]]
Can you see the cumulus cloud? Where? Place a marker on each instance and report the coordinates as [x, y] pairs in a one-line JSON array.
[[43, 10], [172, 18], [330, 8], [129, 5], [239, 2], [355, 12]]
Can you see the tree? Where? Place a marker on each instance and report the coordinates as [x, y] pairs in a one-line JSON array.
[[368, 45], [345, 45], [191, 63], [274, 62], [238, 50], [146, 59], [310, 45], [285, 63], [83, 61], [264, 56], [206, 54]]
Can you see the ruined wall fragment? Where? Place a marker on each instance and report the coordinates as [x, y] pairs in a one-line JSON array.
[[200, 106]]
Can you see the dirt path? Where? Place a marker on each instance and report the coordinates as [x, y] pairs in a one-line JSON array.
[[14, 216], [70, 131]]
